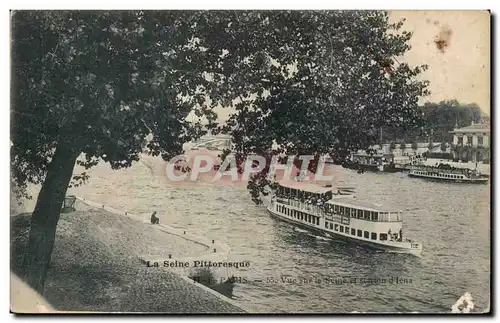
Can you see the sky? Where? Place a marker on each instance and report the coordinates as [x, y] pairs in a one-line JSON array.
[[461, 70]]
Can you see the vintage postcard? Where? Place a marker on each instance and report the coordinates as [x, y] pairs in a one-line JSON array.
[[222, 161]]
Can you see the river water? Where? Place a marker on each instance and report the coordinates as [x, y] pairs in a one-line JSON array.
[[451, 220]]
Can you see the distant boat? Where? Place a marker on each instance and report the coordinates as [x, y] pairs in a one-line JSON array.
[[336, 212], [448, 173]]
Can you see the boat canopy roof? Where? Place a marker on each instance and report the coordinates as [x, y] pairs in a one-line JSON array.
[[355, 203], [317, 188], [307, 187]]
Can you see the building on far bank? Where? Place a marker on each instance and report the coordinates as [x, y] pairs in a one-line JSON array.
[[472, 143]]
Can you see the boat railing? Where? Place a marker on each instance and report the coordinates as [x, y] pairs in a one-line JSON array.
[[316, 209], [319, 210]]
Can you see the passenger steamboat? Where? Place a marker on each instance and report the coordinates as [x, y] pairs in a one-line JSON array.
[[447, 173], [336, 212]]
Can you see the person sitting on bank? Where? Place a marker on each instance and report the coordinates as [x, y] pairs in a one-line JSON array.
[[154, 218]]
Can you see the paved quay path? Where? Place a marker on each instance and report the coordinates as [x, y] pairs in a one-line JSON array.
[[215, 250]]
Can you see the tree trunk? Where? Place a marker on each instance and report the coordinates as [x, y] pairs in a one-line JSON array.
[[46, 215]]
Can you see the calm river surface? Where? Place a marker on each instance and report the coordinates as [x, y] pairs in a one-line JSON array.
[[451, 220]]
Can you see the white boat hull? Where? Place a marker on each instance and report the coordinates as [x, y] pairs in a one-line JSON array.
[[388, 246]]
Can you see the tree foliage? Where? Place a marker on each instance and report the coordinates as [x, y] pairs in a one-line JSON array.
[[100, 83], [330, 81], [109, 85], [442, 117]]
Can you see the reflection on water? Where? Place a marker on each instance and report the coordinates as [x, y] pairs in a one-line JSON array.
[[451, 220]]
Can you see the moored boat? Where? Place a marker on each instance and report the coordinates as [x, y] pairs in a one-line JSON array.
[[371, 162], [447, 173], [336, 212]]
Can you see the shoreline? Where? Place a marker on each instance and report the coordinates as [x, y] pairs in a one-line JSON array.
[[224, 250], [97, 266]]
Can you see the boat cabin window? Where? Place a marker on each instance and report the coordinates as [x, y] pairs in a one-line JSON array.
[[374, 216], [342, 228], [353, 231], [326, 224], [360, 233], [353, 213], [367, 235], [336, 227], [331, 226], [347, 230], [395, 216], [374, 236], [360, 214], [383, 236], [342, 210], [366, 215]]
